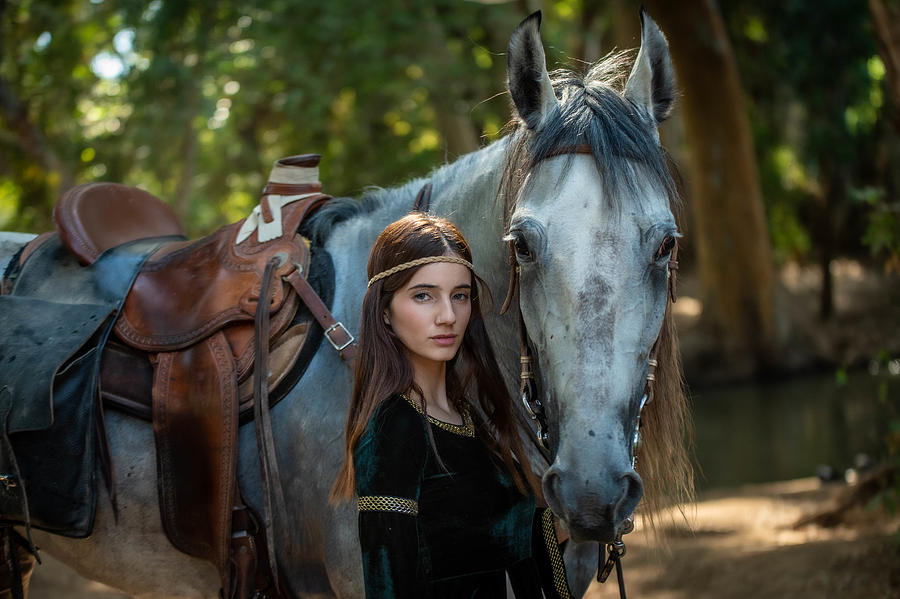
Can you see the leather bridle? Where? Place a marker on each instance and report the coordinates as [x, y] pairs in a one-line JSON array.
[[530, 398]]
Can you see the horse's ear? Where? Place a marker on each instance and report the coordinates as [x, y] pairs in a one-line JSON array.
[[529, 83], [651, 84]]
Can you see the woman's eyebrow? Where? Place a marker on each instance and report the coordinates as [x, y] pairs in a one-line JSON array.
[[433, 286]]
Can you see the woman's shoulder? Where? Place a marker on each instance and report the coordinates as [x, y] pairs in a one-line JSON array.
[[394, 419], [393, 445], [396, 408]]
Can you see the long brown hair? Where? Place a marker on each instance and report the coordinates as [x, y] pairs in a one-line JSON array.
[[383, 369]]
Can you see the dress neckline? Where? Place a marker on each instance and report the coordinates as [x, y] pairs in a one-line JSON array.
[[466, 429]]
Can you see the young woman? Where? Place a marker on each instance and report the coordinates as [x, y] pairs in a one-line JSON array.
[[446, 496]]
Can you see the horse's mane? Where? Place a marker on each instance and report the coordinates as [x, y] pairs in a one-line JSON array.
[[594, 112], [667, 432], [318, 227]]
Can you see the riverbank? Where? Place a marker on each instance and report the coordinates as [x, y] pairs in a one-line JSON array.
[[864, 325]]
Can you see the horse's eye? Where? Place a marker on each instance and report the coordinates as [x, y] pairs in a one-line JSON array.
[[665, 248], [522, 251]]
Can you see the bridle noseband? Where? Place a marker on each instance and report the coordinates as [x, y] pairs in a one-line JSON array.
[[535, 408]]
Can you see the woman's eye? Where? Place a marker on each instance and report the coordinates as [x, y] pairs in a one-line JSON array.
[[421, 297], [665, 248], [461, 297]]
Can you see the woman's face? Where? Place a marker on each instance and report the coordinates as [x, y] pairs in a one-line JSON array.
[[430, 314]]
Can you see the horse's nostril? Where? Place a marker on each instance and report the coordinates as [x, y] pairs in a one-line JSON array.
[[631, 495], [551, 484]]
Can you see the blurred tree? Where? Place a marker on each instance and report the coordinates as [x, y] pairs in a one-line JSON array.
[[27, 135], [732, 243], [815, 96], [42, 142], [883, 230], [886, 21], [192, 100]]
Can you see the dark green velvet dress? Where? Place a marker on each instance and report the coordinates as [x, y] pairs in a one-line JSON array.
[[454, 533]]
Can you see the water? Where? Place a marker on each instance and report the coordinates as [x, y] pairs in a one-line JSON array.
[[779, 431]]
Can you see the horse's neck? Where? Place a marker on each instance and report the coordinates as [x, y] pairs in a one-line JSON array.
[[463, 191], [9, 244], [466, 193]]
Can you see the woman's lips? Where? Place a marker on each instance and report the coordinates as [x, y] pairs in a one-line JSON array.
[[444, 339]]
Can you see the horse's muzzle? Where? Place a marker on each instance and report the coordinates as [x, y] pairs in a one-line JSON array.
[[592, 510]]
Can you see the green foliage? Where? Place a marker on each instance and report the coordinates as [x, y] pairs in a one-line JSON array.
[[840, 377], [882, 234], [814, 84], [194, 100]]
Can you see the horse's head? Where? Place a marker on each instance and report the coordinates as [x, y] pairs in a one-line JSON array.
[[589, 200]]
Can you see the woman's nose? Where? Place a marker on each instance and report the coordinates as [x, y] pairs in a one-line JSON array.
[[446, 314]]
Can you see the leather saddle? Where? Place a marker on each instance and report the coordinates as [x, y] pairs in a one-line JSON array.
[[210, 317]]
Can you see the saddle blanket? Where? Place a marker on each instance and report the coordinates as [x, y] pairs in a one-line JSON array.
[[53, 327]]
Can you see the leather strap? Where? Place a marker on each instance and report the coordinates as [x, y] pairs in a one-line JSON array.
[[673, 273], [244, 555], [11, 552], [290, 189], [513, 284], [248, 549], [336, 333], [265, 441], [580, 149]]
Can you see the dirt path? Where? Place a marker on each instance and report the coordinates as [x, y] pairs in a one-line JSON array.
[[742, 547], [55, 580]]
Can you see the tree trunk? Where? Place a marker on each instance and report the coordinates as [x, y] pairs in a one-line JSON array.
[[886, 21], [189, 112], [453, 118], [731, 240], [188, 159]]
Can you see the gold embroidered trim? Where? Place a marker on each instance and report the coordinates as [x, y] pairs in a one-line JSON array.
[[381, 503], [466, 429], [559, 570]]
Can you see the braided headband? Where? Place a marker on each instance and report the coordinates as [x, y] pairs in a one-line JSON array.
[[418, 262]]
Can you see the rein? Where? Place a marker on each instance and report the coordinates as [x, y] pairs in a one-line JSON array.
[[535, 408]]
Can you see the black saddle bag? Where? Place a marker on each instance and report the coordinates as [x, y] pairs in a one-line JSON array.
[[53, 327]]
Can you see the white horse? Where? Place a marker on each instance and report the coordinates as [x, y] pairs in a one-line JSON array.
[[586, 198]]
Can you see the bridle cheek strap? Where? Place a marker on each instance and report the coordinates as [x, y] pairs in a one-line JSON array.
[[527, 386]]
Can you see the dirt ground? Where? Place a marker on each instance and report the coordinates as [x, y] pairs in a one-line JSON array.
[[742, 545]]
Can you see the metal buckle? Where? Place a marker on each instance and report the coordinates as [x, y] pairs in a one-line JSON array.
[[334, 327], [527, 403]]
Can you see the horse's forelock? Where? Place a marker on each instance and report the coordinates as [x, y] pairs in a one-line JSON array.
[[593, 112]]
